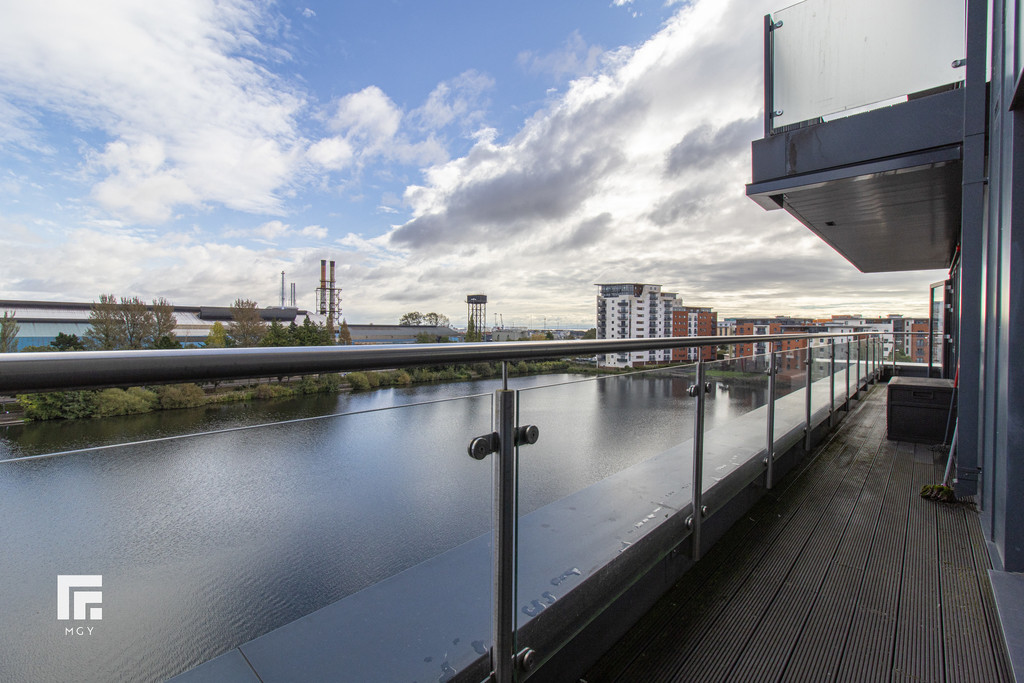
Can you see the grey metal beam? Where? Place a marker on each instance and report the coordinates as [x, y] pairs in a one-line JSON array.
[[900, 130], [972, 256]]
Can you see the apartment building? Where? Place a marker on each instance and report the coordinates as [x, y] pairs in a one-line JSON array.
[[634, 311], [691, 321], [749, 326]]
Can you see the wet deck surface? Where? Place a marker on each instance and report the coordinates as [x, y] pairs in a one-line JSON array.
[[842, 573]]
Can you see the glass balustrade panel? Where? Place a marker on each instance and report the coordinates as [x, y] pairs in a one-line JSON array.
[[320, 538], [612, 468], [735, 417], [790, 395], [834, 56]]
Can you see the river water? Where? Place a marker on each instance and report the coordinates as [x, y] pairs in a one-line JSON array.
[[276, 509]]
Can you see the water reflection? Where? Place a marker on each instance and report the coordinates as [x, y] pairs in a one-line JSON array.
[[207, 542]]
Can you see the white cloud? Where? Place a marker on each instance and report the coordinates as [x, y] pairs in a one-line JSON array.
[[177, 90], [370, 123], [179, 267], [637, 172], [308, 13], [272, 232], [315, 231], [460, 100], [576, 58], [334, 153], [368, 116]]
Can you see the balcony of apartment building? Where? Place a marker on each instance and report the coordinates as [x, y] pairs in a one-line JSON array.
[[754, 525], [544, 524]]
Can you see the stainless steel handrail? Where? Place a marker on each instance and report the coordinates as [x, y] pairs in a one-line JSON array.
[[56, 371]]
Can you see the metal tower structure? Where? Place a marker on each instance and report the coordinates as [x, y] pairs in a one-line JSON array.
[[477, 311], [328, 295]]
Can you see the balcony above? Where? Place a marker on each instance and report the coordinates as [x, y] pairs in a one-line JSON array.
[[882, 187]]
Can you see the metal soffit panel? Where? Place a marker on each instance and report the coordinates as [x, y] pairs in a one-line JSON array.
[[907, 219]]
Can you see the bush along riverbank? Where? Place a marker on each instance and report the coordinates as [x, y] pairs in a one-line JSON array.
[[71, 405]]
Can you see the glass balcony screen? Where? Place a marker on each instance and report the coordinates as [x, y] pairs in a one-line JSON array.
[[831, 56]]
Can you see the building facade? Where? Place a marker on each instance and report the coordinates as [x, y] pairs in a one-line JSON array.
[[634, 311], [690, 321]]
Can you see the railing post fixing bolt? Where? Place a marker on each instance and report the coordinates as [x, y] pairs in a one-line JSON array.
[[526, 659]]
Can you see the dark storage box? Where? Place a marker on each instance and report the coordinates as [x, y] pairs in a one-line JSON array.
[[918, 409]]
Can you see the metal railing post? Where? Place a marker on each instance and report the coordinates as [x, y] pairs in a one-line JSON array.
[[856, 365], [807, 398], [872, 356], [894, 355], [880, 359], [831, 382], [504, 627], [849, 348], [503, 443], [769, 460], [697, 390]]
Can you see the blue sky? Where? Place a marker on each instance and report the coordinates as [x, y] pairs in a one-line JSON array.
[[526, 150]]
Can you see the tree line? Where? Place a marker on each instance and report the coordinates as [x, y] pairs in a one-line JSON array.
[[129, 323]]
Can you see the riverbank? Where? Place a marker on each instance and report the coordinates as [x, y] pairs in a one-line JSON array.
[[73, 405]]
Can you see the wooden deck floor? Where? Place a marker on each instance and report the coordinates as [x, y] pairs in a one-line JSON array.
[[842, 573]]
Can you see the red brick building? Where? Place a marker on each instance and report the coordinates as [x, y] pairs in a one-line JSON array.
[[919, 350], [690, 321]]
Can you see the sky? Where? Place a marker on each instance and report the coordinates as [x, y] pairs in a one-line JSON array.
[[195, 149]]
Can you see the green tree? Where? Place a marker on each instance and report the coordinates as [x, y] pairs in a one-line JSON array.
[[67, 342], [9, 329], [163, 317], [218, 337], [411, 318], [138, 323], [167, 342], [591, 333], [312, 334], [247, 326], [277, 335], [472, 333], [436, 320], [105, 330], [124, 324], [344, 334]]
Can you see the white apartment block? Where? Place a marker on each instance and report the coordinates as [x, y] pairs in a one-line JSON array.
[[634, 311], [884, 327]]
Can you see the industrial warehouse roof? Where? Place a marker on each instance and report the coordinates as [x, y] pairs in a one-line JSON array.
[[40, 321], [75, 311]]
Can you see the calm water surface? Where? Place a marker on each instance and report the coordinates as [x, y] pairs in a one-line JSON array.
[[205, 542]]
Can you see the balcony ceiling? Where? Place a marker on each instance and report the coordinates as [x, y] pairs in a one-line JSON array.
[[906, 219]]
